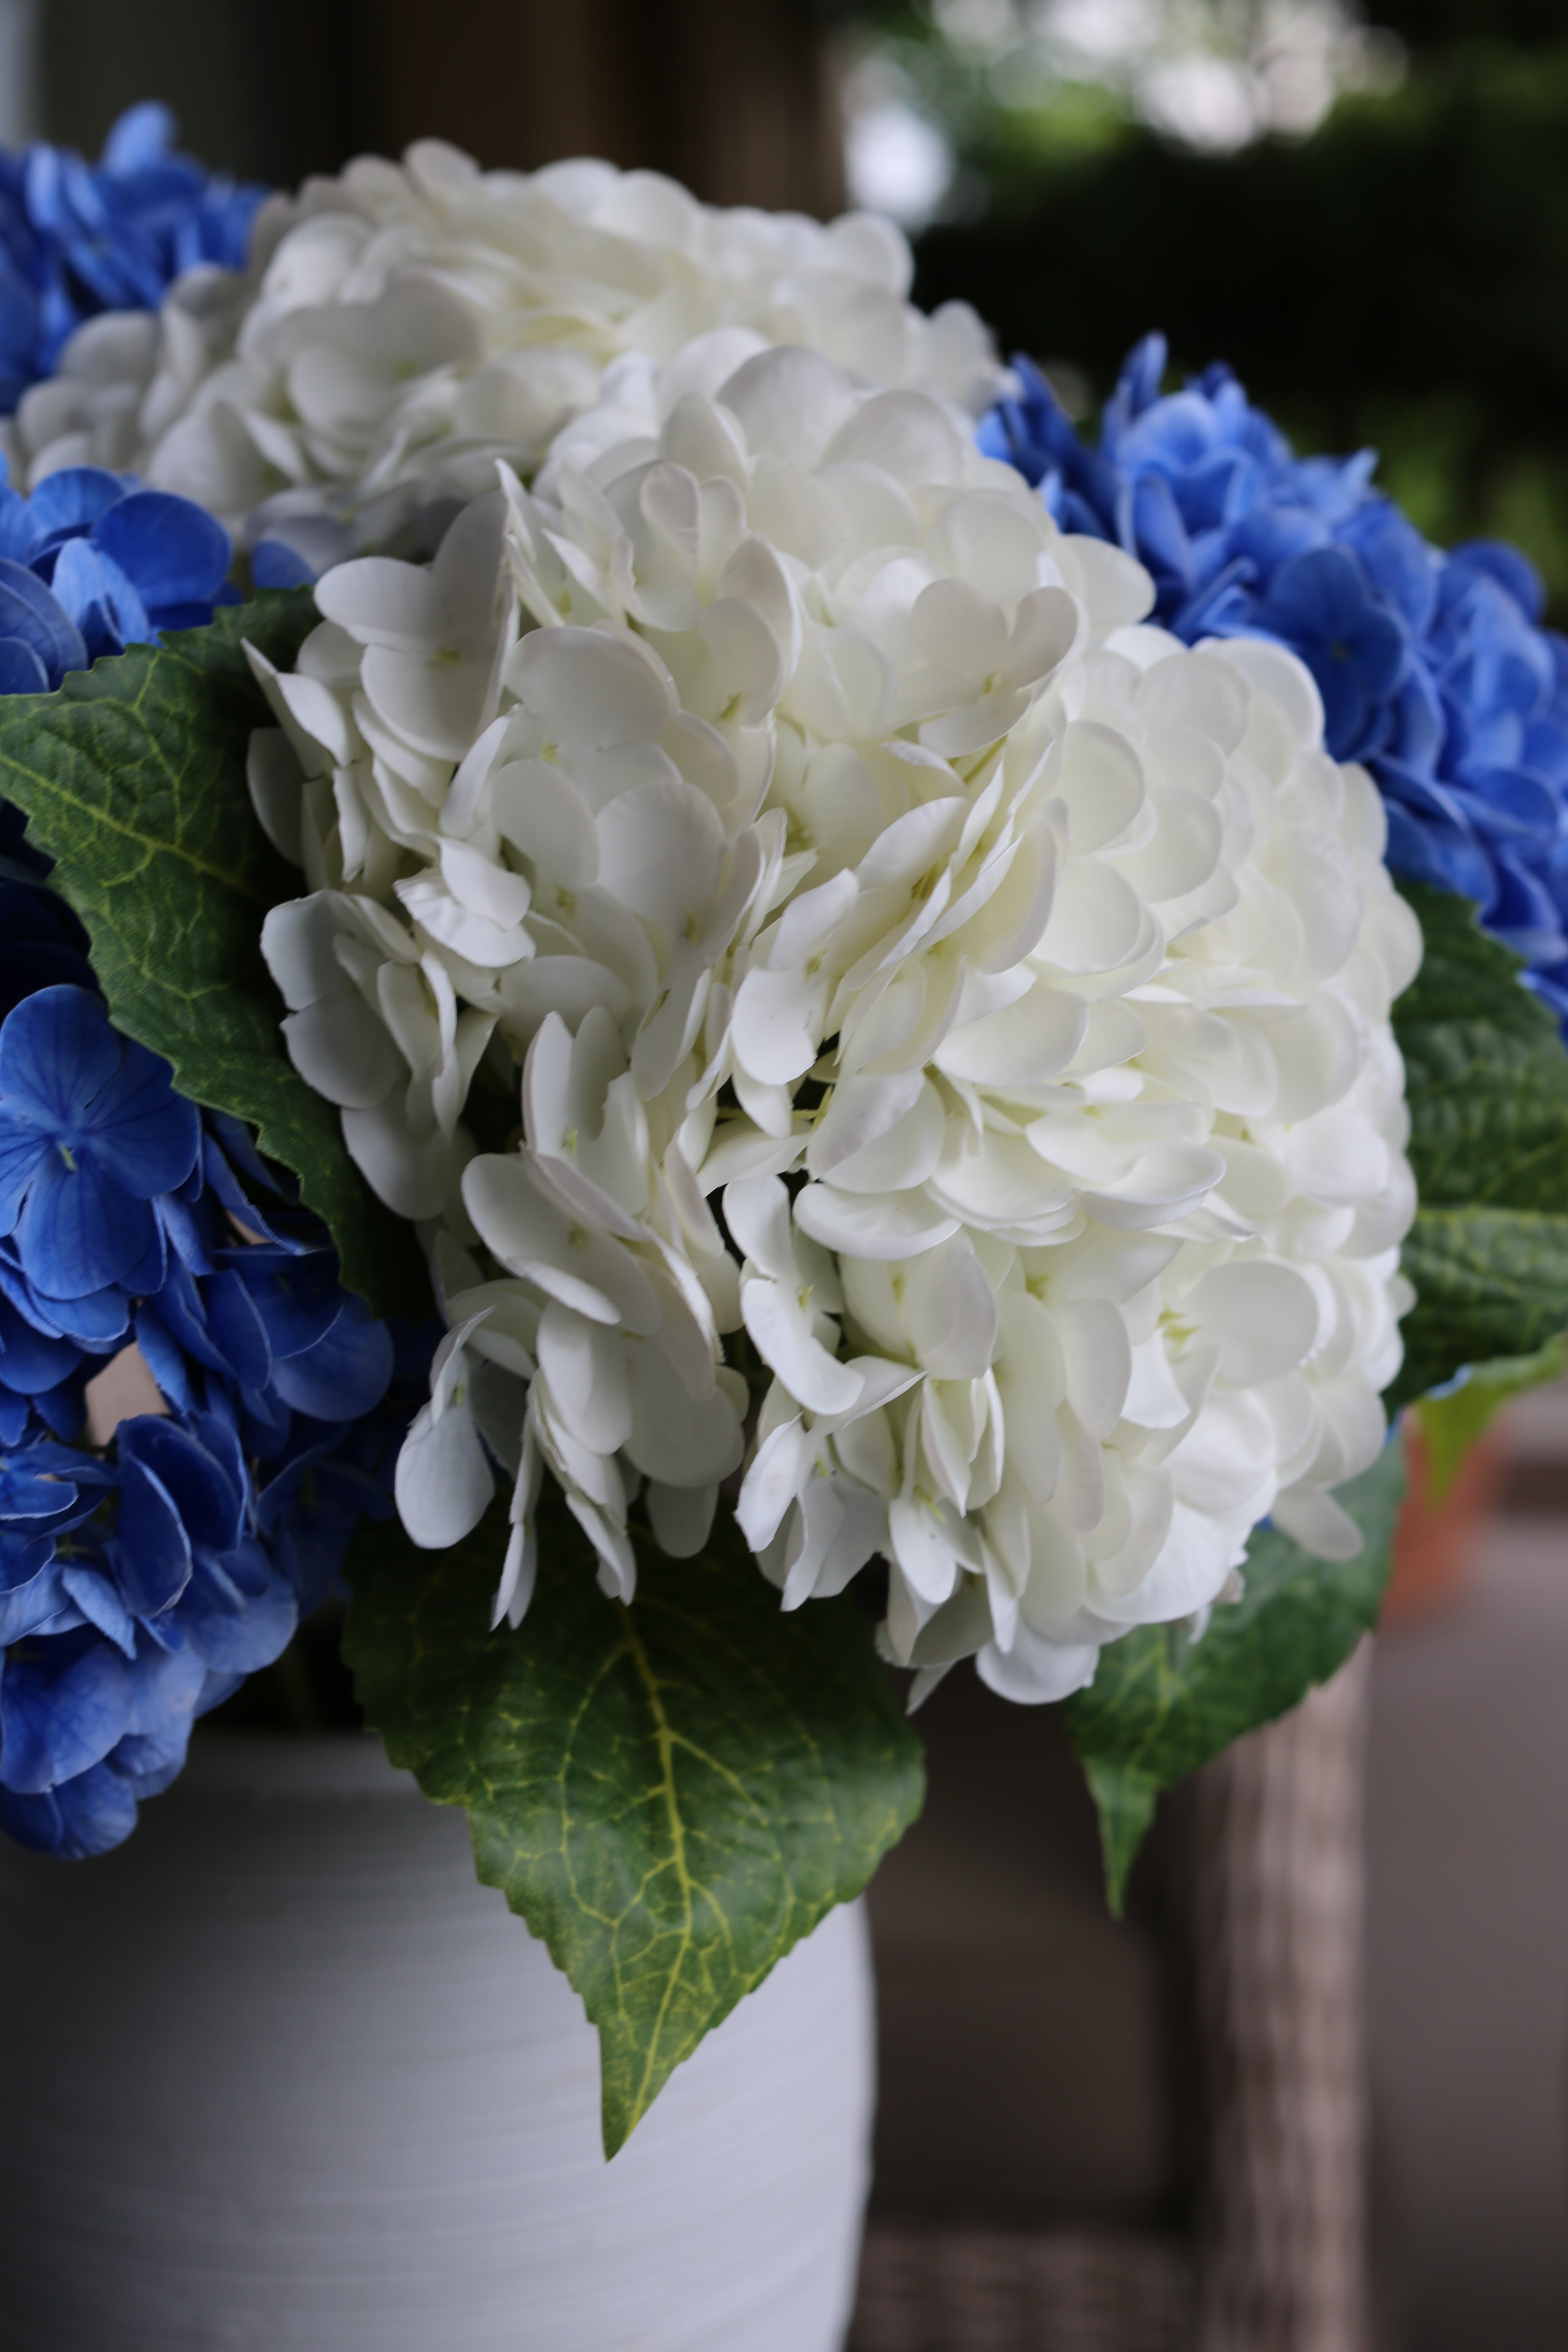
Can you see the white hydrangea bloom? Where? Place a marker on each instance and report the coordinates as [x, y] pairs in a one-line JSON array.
[[403, 325], [819, 834]]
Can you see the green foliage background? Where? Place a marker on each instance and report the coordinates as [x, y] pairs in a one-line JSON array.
[[1393, 280]]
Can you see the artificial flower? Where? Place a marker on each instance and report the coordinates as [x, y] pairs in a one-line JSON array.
[[403, 325], [90, 563], [79, 238], [140, 1582], [820, 841], [1433, 668], [90, 1132]]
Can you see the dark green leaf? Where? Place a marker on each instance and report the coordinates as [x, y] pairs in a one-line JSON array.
[[1487, 1082], [1161, 1704], [670, 1795], [132, 780]]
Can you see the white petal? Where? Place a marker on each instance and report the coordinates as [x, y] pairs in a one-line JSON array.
[[1265, 1318], [782, 1337], [416, 1177], [586, 1367], [875, 1225], [783, 1460], [443, 1481], [276, 782], [341, 1049], [682, 1516], [1320, 1525], [382, 603], [590, 689]]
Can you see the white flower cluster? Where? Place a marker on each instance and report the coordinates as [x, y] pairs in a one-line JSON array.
[[824, 840], [403, 326]]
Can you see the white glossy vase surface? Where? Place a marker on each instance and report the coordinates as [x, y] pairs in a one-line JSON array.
[[281, 2074]]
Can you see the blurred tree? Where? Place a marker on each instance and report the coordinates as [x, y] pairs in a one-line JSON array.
[[736, 98], [1392, 278], [1434, 24]]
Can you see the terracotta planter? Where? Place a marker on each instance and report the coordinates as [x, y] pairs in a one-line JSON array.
[[1435, 1544]]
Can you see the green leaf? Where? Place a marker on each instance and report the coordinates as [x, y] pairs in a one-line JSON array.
[[1450, 1424], [1162, 1704], [132, 780], [1487, 1083], [670, 1795]]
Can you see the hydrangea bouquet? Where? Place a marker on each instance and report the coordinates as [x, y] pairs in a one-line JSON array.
[[826, 1032]]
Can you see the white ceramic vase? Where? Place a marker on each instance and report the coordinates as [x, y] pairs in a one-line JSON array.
[[279, 2074]]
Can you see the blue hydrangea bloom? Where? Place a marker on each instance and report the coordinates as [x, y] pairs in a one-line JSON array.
[[141, 1582], [91, 564], [1432, 666], [92, 1131], [77, 238]]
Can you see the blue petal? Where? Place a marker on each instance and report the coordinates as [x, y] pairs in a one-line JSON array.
[[28, 611], [22, 1153], [175, 552], [1160, 532], [34, 1593], [150, 1550], [168, 1689], [166, 1359], [70, 500], [150, 1765], [90, 1815], [80, 1231], [95, 1596], [29, 1362], [237, 1329], [296, 1296], [1509, 567], [139, 1129], [100, 600], [1450, 860], [1398, 562], [26, 1493], [15, 534], [188, 1226], [238, 1640], [60, 1715], [56, 1051], [65, 1408], [344, 1374], [97, 1321], [142, 135], [178, 1306], [221, 1443], [22, 668], [1509, 802], [24, 1554], [275, 565], [207, 1491]]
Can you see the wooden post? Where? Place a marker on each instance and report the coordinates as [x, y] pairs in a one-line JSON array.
[[735, 98]]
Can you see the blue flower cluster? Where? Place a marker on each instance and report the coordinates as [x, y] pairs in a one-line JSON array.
[[139, 1584], [91, 564], [77, 238], [141, 1581], [1433, 668]]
